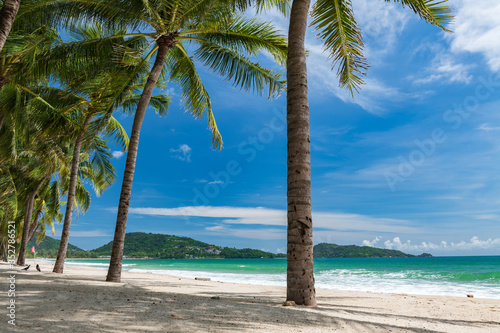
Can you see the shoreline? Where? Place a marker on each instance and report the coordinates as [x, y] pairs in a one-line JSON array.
[[80, 300], [342, 282]]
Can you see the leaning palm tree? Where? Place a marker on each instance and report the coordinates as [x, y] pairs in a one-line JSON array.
[[220, 39], [105, 92], [7, 16], [223, 42], [343, 41]]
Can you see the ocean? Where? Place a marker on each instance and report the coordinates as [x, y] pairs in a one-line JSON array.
[[451, 276]]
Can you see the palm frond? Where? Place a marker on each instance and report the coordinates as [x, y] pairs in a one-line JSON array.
[[432, 11], [342, 39], [244, 73], [194, 95], [243, 35]]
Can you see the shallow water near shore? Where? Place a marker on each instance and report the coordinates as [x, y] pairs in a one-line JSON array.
[[450, 276]]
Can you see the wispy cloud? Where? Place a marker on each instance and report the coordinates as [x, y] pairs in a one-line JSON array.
[[477, 28], [276, 217], [183, 153], [261, 234], [444, 68], [381, 24], [487, 127], [90, 233]]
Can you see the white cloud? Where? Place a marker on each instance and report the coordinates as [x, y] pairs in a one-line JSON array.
[[183, 153], [276, 217], [371, 243], [90, 233], [170, 92], [477, 29], [216, 182], [487, 127], [117, 154], [474, 244], [487, 217], [261, 234], [215, 228], [381, 23], [444, 68]]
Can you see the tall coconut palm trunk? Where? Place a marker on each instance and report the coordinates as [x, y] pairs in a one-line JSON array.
[[27, 220], [4, 251], [7, 16], [2, 115], [35, 224], [300, 278], [63, 246], [165, 43]]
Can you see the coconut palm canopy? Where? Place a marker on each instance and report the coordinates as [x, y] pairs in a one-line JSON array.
[[368, 181]]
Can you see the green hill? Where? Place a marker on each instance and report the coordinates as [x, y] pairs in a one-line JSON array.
[[140, 244], [49, 247], [325, 250]]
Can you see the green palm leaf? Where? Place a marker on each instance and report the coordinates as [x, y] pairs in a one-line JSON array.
[[194, 95], [342, 39]]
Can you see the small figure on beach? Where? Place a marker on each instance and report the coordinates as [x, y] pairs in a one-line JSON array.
[[38, 268], [26, 268]]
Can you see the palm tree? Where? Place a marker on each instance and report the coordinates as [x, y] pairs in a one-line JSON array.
[[220, 39], [7, 16], [343, 41], [105, 96]]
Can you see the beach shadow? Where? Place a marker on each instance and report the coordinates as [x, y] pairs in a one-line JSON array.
[[58, 303]]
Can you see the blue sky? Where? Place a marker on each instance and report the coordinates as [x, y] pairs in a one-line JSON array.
[[410, 163]]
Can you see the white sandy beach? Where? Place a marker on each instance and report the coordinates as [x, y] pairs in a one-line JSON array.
[[81, 301]]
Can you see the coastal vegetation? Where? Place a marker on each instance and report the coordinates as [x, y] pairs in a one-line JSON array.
[[160, 246], [325, 250]]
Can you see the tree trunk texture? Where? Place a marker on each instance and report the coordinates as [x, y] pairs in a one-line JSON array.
[[27, 220], [2, 116], [63, 246], [34, 225], [300, 278], [165, 43], [7, 16], [4, 251]]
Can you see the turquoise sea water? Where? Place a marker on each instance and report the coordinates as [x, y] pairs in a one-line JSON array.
[[452, 276]]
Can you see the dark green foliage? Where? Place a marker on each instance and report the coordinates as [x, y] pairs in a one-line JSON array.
[[49, 247], [140, 244], [325, 250], [232, 253]]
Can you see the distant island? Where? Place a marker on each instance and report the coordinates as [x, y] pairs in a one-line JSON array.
[[325, 250], [160, 246]]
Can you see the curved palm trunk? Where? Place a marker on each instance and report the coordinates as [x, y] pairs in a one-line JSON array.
[[63, 246], [300, 278], [27, 220], [165, 43], [7, 16], [4, 251], [2, 116], [35, 224]]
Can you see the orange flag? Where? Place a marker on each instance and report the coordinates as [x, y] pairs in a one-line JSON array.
[[32, 249]]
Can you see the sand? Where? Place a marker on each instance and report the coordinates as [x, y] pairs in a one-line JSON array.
[[81, 301]]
